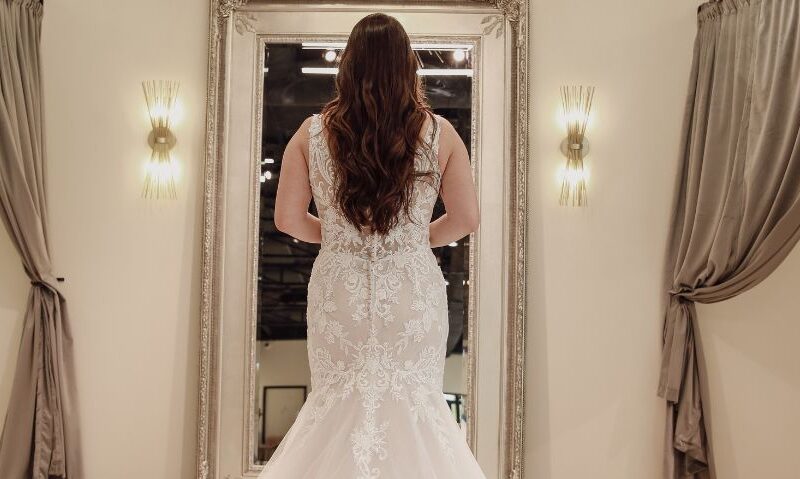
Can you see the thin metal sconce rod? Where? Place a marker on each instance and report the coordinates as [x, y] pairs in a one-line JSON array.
[[576, 104]]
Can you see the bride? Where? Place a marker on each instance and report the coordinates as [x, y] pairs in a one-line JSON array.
[[374, 160]]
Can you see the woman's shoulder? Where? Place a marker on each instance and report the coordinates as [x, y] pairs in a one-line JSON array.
[[311, 126], [444, 123], [446, 129]]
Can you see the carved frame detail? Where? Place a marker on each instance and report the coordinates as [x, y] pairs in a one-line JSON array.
[[514, 14]]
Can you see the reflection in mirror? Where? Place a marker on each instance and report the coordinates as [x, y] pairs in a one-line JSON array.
[[298, 81]]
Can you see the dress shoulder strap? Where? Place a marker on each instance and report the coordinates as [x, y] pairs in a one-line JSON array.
[[315, 127], [320, 169], [432, 139], [436, 130]]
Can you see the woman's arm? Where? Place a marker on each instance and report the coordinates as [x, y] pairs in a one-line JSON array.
[[294, 191], [462, 215]]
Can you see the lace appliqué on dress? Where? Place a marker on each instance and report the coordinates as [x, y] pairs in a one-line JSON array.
[[377, 316]]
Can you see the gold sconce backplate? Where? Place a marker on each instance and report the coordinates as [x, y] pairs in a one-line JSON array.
[[583, 147], [166, 137]]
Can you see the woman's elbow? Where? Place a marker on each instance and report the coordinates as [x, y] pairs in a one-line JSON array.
[[281, 223], [473, 221]]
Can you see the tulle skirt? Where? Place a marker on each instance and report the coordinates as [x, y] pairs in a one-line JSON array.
[[411, 447]]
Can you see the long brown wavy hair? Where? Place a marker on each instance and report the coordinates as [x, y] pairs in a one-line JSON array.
[[373, 124]]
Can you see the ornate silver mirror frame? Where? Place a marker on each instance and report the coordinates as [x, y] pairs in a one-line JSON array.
[[511, 15]]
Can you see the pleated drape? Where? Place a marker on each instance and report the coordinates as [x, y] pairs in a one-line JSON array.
[[738, 204], [40, 433]]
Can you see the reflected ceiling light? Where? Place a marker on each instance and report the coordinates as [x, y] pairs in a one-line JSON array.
[[442, 72], [267, 175], [459, 55], [441, 46], [414, 46], [330, 55], [268, 160], [320, 70], [445, 72], [323, 45], [453, 244]]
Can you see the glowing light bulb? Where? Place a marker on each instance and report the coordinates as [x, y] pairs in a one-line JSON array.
[[459, 55], [573, 175]]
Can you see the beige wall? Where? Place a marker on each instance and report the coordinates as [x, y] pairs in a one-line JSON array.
[[283, 363], [132, 268], [595, 317], [595, 309], [750, 346]]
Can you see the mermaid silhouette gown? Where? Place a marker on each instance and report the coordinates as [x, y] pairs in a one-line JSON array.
[[377, 331]]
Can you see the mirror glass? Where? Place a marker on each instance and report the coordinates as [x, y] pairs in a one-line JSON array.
[[298, 81]]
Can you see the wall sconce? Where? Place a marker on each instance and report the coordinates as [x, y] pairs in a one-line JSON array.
[[576, 104], [160, 170]]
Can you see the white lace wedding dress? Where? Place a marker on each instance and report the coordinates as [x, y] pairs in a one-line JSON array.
[[377, 330]]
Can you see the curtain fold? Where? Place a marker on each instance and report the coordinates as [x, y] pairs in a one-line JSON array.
[[40, 433], [738, 201]]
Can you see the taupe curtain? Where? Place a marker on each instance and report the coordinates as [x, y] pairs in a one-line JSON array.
[[40, 433], [738, 202]]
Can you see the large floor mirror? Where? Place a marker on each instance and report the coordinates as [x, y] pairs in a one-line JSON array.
[[298, 79], [271, 66]]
